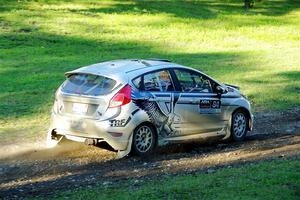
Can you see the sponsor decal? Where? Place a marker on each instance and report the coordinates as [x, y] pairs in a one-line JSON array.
[[209, 106], [119, 122]]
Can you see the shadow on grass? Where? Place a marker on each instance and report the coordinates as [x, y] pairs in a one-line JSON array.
[[179, 8], [184, 9], [276, 7], [291, 75]]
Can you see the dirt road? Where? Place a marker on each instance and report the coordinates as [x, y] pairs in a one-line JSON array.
[[41, 172]]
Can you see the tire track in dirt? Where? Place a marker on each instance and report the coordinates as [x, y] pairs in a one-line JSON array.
[[42, 172]]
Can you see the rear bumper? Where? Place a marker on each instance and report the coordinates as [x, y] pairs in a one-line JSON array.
[[79, 129]]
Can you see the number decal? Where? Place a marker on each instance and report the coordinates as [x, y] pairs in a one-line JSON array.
[[210, 106]]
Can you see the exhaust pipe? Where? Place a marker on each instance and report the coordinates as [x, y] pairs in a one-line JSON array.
[[90, 141]]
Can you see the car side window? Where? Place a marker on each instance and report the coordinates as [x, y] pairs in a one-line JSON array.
[[194, 82], [138, 82], [158, 81]]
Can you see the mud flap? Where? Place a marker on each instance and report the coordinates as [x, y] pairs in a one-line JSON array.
[[228, 133], [122, 154]]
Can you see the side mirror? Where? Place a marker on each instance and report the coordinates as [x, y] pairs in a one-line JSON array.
[[221, 90]]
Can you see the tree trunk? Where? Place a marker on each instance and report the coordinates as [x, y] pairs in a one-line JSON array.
[[248, 3]]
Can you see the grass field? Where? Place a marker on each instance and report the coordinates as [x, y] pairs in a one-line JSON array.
[[40, 40], [258, 49], [267, 180]]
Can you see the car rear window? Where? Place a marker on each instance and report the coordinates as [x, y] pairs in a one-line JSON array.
[[88, 84]]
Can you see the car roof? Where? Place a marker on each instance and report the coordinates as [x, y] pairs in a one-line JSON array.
[[120, 69], [119, 66]]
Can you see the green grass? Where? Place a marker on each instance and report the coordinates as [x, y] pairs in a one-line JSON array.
[[267, 180], [40, 40]]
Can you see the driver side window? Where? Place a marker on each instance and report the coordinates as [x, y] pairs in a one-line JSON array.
[[193, 82]]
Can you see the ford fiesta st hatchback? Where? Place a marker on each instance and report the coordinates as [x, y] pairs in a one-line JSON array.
[[137, 105]]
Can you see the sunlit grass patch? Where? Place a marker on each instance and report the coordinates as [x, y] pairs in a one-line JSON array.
[[266, 180]]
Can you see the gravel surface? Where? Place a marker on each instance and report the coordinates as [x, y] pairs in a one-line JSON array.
[[34, 171]]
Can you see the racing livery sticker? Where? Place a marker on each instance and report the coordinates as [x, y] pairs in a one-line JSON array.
[[164, 122]]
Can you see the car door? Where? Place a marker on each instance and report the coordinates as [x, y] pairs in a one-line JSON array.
[[198, 105], [156, 91]]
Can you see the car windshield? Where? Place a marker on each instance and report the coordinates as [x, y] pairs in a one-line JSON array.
[[88, 84]]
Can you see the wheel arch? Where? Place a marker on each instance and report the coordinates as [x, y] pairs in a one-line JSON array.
[[248, 115]]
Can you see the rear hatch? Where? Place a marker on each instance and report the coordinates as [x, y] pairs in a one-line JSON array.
[[86, 95]]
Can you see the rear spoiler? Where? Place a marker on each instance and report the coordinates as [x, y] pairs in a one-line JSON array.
[[67, 74], [233, 86]]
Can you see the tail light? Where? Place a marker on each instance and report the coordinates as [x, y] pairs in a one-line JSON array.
[[122, 98]]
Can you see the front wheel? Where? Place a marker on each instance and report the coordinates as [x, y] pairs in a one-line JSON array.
[[144, 140], [239, 124]]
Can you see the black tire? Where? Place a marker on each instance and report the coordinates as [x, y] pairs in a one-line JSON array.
[[144, 140], [239, 125]]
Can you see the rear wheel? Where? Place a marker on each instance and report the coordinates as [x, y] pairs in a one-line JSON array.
[[144, 140], [239, 124]]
